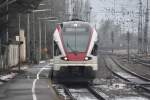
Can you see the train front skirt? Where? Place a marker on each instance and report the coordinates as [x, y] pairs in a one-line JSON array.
[[73, 74], [74, 71]]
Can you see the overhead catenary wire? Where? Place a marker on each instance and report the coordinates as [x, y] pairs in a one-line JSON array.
[[7, 2]]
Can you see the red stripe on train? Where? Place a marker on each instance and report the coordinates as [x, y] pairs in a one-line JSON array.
[[79, 56]]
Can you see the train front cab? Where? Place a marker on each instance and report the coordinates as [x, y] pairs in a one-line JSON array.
[[75, 65]]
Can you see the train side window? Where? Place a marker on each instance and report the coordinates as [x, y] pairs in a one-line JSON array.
[[56, 49], [94, 51], [61, 25]]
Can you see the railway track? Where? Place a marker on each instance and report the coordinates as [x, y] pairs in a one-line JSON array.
[[136, 64], [79, 93], [129, 71], [97, 92], [120, 71], [137, 59]]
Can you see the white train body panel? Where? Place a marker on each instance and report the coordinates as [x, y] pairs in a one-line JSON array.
[[58, 40]]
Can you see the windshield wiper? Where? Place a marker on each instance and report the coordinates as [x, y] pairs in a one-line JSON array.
[[72, 50]]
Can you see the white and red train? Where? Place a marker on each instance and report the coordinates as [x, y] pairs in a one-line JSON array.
[[75, 49]]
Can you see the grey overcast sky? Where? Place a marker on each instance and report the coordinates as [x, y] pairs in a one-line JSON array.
[[126, 11]]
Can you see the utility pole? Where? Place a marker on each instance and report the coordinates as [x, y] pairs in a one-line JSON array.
[[45, 40], [1, 55], [19, 42], [66, 10], [114, 10], [145, 42], [40, 32], [128, 42], [45, 35], [86, 10], [28, 37], [7, 33], [34, 49], [0, 47], [90, 9], [140, 35], [112, 40]]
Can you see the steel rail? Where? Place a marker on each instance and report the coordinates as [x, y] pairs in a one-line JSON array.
[[68, 93], [96, 93], [115, 72], [142, 86], [129, 71], [89, 88], [141, 61]]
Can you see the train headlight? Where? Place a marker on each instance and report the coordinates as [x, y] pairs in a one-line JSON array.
[[86, 58], [65, 58]]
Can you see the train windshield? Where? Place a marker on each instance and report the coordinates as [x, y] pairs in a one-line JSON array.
[[76, 38]]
